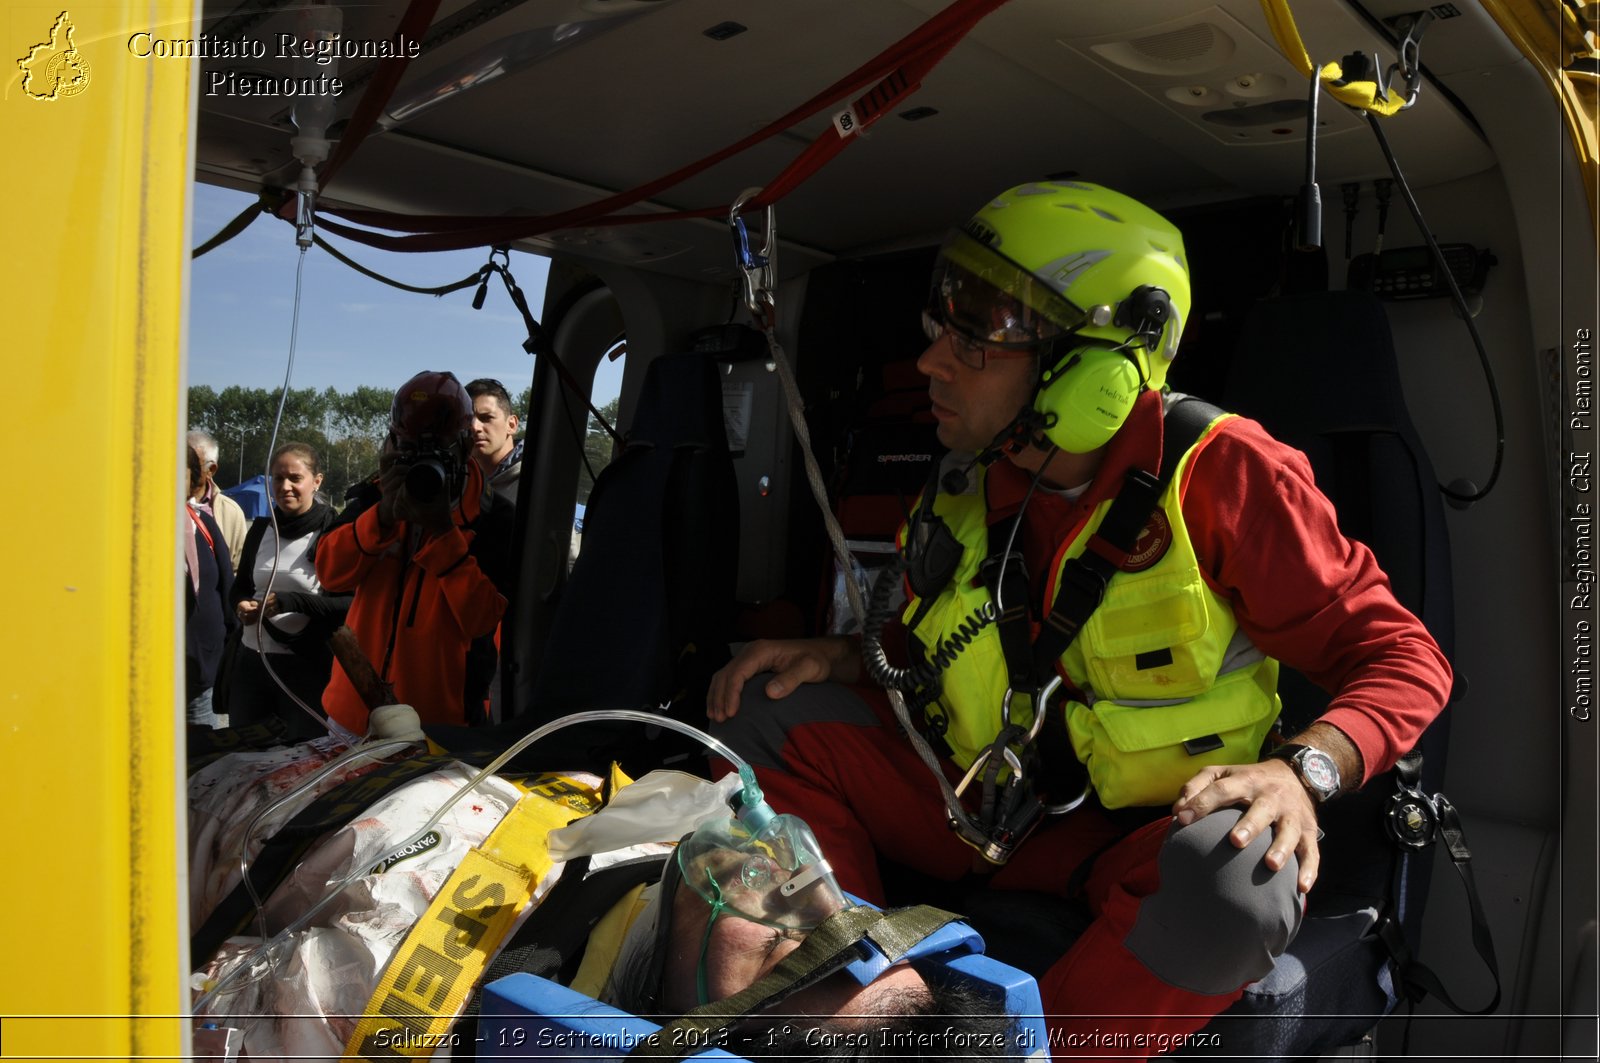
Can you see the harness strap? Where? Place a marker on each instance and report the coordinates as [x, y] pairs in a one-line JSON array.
[[428, 980], [1416, 979], [826, 950], [1084, 578]]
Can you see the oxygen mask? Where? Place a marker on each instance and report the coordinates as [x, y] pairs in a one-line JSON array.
[[776, 876], [760, 866]]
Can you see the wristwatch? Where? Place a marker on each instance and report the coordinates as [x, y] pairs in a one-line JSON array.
[[1317, 771]]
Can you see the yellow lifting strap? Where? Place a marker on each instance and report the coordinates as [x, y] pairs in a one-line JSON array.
[[1364, 95], [427, 981]]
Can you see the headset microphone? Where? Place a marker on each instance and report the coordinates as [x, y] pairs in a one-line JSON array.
[[1026, 427]]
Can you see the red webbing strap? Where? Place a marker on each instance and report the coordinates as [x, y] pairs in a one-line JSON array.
[[899, 71], [413, 24], [200, 526]]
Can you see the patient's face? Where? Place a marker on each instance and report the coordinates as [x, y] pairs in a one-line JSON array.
[[742, 951]]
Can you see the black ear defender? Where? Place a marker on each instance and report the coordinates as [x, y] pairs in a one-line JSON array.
[[1145, 312]]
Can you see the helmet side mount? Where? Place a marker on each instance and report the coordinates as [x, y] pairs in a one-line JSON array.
[[1146, 313]]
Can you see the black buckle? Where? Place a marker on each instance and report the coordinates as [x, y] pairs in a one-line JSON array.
[[1411, 819], [1081, 590]]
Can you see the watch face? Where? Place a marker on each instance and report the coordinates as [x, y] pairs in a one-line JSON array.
[[1319, 771]]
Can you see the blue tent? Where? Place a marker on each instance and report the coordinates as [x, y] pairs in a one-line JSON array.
[[251, 496]]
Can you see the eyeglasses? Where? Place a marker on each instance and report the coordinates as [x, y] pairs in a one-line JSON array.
[[975, 354]]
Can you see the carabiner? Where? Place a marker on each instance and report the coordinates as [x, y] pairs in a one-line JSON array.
[[1005, 707], [1408, 58], [1007, 754], [759, 269], [1041, 702]]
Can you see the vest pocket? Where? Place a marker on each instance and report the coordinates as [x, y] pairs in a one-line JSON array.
[[1147, 638], [1143, 754]]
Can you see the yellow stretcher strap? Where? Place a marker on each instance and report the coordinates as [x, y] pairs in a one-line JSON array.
[[1359, 94], [426, 983]]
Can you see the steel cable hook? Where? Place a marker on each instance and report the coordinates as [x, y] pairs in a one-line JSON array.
[[1408, 58]]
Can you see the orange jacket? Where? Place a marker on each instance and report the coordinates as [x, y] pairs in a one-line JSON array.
[[419, 601]]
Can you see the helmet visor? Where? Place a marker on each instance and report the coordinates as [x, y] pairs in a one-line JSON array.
[[986, 298], [776, 876]]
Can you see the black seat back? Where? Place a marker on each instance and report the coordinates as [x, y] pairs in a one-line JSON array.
[[1319, 371], [645, 614]]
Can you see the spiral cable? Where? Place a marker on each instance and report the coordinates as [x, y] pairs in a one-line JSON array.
[[923, 675]]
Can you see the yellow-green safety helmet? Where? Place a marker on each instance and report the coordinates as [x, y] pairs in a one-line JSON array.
[[1067, 261]]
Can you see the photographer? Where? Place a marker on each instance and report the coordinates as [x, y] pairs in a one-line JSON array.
[[422, 559]]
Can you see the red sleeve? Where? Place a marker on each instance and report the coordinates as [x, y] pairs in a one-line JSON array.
[[346, 551], [1269, 541]]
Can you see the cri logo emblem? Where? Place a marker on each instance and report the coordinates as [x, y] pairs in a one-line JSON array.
[[1151, 545], [54, 69]]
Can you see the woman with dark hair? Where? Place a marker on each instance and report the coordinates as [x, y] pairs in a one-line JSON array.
[[286, 618]]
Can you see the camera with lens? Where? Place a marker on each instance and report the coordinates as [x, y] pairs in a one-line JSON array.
[[428, 473]]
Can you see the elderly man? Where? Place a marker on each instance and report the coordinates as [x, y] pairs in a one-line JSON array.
[[209, 497]]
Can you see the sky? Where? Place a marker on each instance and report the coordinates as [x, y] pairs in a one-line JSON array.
[[353, 330]]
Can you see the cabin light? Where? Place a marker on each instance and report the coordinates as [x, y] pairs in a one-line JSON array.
[[1196, 96], [723, 30], [917, 114]]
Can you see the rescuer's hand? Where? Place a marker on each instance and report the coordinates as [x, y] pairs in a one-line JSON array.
[[1273, 799], [248, 611], [392, 485], [795, 661]]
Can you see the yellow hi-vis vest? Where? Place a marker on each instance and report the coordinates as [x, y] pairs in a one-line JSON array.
[[1170, 683]]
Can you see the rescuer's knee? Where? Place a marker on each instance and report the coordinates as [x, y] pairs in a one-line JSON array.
[[1220, 917], [760, 729]]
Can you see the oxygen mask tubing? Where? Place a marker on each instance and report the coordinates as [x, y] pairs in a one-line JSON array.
[[761, 866]]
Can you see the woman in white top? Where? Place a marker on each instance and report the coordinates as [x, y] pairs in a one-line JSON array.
[[283, 612]]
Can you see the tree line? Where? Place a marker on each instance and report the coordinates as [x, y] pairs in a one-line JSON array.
[[345, 427]]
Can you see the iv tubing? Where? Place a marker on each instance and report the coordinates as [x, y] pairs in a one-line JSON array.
[[365, 865]]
